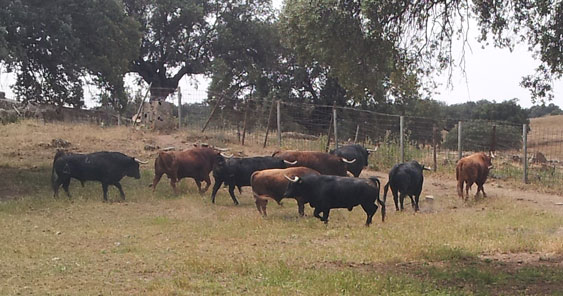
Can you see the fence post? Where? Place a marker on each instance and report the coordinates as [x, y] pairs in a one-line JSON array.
[[493, 147], [328, 134], [179, 108], [402, 137], [335, 125], [244, 123], [525, 152], [459, 152], [357, 132], [434, 140], [268, 124], [279, 124]]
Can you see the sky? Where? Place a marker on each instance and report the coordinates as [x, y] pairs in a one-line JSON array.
[[491, 73]]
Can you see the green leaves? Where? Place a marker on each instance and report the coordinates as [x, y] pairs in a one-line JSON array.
[[53, 45]]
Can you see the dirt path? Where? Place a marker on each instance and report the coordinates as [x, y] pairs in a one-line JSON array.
[[440, 193]]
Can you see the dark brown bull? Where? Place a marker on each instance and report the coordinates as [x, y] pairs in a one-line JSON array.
[[324, 163], [194, 163], [272, 183], [473, 169]]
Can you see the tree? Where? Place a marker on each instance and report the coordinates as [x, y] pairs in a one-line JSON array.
[[332, 34], [53, 45], [179, 37], [381, 48], [541, 110]]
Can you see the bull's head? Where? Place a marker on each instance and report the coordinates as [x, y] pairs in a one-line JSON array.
[[293, 187], [133, 169]]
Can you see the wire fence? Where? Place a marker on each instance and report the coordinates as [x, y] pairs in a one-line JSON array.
[[434, 142]]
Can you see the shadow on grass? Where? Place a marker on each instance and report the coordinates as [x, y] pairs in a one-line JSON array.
[[454, 270], [18, 182]]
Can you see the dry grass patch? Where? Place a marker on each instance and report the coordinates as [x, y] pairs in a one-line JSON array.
[[163, 243]]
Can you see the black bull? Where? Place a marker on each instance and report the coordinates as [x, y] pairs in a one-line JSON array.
[[105, 167], [237, 172], [405, 179], [324, 193], [357, 152]]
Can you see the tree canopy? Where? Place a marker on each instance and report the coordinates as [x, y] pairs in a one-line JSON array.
[[53, 45], [358, 53]]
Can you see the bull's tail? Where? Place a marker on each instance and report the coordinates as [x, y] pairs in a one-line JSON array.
[[54, 176], [377, 184]]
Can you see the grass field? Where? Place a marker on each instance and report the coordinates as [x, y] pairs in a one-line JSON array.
[[510, 243]]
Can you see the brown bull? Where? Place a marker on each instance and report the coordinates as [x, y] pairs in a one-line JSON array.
[[473, 169], [324, 163], [272, 183], [194, 163]]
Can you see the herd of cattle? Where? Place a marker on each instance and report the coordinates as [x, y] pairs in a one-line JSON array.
[[317, 178]]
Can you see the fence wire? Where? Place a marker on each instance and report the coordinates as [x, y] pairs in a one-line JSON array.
[[310, 127]]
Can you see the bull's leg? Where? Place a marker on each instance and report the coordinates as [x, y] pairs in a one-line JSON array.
[[66, 184], [207, 183], [316, 213], [401, 200], [216, 187], [232, 193], [483, 190], [173, 184], [264, 204], [198, 183], [261, 203], [460, 188], [105, 190], [155, 181], [416, 198], [56, 185], [395, 198], [325, 216], [301, 207], [467, 187], [413, 205], [121, 193], [258, 203], [370, 210]]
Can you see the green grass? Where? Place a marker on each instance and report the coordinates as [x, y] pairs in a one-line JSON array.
[[164, 243]]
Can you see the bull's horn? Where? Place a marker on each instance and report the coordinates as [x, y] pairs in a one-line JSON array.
[[348, 161], [222, 149], [140, 161], [491, 167], [426, 168], [372, 150], [171, 148], [294, 180], [225, 155], [492, 155], [290, 162]]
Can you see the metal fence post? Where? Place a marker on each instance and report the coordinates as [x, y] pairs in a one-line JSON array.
[[459, 152], [179, 108], [335, 129], [402, 137], [434, 144], [525, 152], [279, 124], [357, 132]]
